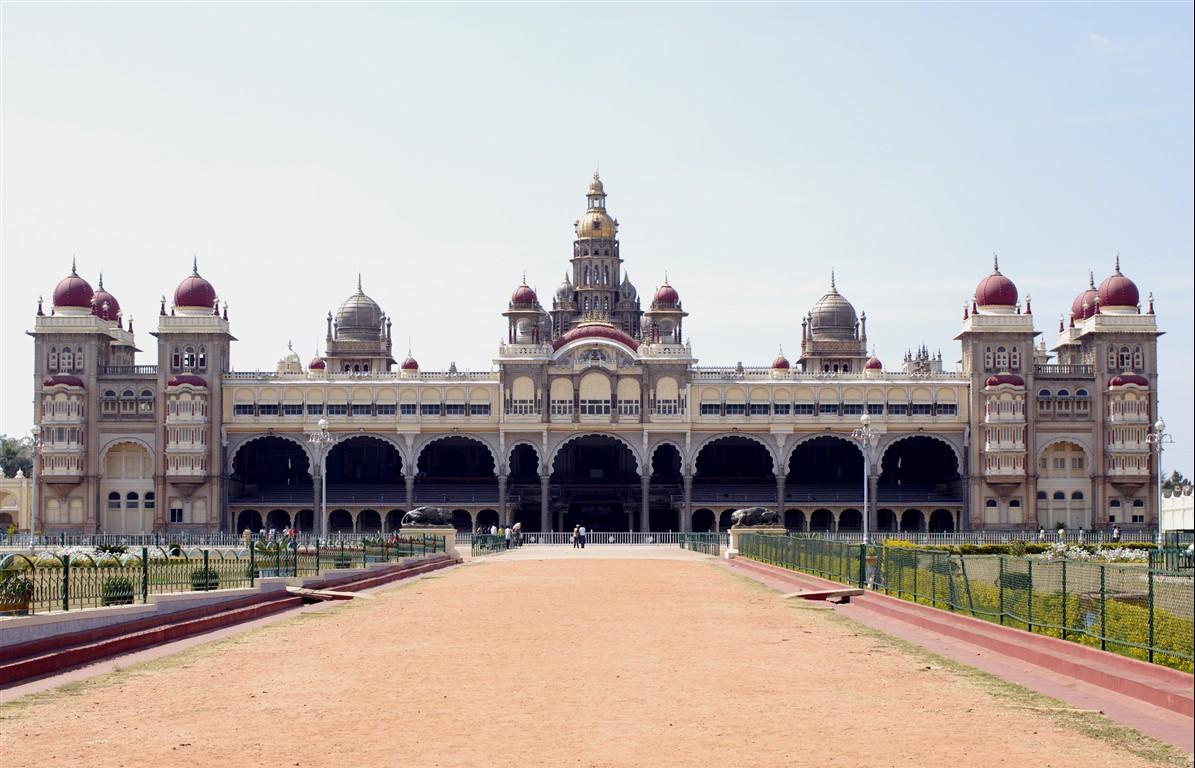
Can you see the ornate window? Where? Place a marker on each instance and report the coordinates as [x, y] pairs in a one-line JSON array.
[[1015, 359], [189, 358], [149, 500], [67, 359], [1138, 359], [79, 359], [1125, 360], [52, 363], [114, 500], [203, 358], [1001, 359], [987, 359], [132, 501], [176, 359]]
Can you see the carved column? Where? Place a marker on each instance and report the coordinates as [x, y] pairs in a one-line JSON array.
[[688, 509], [873, 501], [410, 480], [545, 522], [780, 479], [503, 515], [645, 515]]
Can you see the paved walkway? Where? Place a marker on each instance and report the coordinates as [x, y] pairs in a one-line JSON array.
[[544, 660]]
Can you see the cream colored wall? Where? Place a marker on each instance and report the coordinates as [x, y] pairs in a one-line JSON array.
[[16, 501]]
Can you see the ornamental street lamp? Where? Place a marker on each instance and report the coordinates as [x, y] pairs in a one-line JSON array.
[[35, 440], [1157, 439], [868, 438], [321, 440]]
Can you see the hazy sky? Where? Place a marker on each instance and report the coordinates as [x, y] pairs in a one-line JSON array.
[[747, 150]]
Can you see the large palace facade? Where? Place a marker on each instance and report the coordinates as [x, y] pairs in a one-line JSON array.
[[596, 411]]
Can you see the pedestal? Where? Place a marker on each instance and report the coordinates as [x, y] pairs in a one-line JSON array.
[[446, 531], [735, 531]]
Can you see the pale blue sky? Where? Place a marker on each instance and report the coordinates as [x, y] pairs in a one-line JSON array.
[[442, 150]]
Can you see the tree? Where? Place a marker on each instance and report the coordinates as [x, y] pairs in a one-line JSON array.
[[16, 453], [1175, 479]]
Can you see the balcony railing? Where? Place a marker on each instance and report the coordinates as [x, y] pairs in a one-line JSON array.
[[1055, 369], [128, 370]]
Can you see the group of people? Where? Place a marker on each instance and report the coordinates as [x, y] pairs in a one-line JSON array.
[[1060, 534], [511, 535], [578, 537]]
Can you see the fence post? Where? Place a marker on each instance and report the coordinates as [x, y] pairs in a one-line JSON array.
[[317, 551], [1103, 612], [862, 565], [206, 573], [66, 582], [916, 563], [252, 564], [1001, 590], [145, 574], [1065, 599], [1029, 597], [933, 580], [1151, 615]]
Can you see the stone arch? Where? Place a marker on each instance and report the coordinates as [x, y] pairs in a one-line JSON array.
[[510, 452], [555, 452], [796, 441], [427, 442], [956, 449], [1041, 451], [115, 442], [235, 447], [685, 461], [397, 445], [697, 449]]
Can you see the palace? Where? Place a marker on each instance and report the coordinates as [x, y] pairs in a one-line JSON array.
[[596, 411]]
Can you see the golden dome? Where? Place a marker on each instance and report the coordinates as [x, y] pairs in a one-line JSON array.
[[596, 224], [595, 186]]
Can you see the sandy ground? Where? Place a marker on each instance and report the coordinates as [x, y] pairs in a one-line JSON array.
[[575, 661]]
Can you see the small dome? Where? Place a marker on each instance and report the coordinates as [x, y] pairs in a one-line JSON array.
[[188, 379], [666, 295], [1118, 291], [73, 291], [524, 295], [316, 364], [410, 363], [629, 292], [996, 290], [596, 224], [565, 292], [359, 317], [596, 187], [105, 306], [194, 292], [833, 317], [873, 364], [65, 379], [1121, 379], [596, 331], [1084, 304], [781, 362], [1004, 378]]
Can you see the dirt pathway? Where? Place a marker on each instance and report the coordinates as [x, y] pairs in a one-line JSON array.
[[558, 662]]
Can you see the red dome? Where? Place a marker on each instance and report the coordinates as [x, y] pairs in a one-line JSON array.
[[595, 332], [781, 363], [523, 295], [1083, 306], [996, 290], [64, 379], [1118, 291], [666, 294], [73, 291], [410, 364], [316, 364], [186, 378], [102, 297], [873, 364], [1004, 378], [194, 291], [1120, 379]]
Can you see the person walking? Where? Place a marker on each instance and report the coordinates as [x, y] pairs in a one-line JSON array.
[[493, 530], [576, 537], [1116, 534], [1041, 534], [581, 536], [509, 534]]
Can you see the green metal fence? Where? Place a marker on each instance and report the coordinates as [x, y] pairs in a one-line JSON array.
[[42, 582], [485, 544], [1135, 610], [706, 543]]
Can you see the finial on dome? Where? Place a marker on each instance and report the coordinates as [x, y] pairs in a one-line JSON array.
[[995, 263], [524, 277], [73, 272], [1091, 279], [1061, 322], [1116, 268], [833, 283], [359, 289], [290, 347], [966, 311], [1028, 304], [195, 264], [162, 311], [101, 281]]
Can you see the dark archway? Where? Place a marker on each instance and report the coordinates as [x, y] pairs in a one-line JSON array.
[[523, 487], [278, 520], [249, 519], [524, 465], [886, 520], [821, 520], [666, 485], [305, 521], [271, 470], [454, 471], [703, 521], [487, 518], [462, 520], [394, 519], [369, 521], [725, 520], [922, 466], [365, 461], [912, 521], [340, 521], [734, 470], [794, 519], [597, 479], [826, 469], [850, 520], [941, 521]]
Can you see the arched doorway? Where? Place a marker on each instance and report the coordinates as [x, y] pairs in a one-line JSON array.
[[305, 521], [794, 519], [487, 518], [523, 487], [941, 521], [734, 470], [462, 520], [128, 490], [369, 521], [920, 468], [850, 520], [821, 520], [455, 470], [826, 469], [703, 521], [886, 520], [394, 519], [272, 469], [666, 484], [912, 521], [597, 478], [340, 521], [250, 520], [363, 471], [278, 520]]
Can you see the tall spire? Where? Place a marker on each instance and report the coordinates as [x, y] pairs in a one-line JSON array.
[[995, 263], [1091, 279], [194, 264], [833, 285], [101, 281], [1117, 268], [73, 272], [359, 289]]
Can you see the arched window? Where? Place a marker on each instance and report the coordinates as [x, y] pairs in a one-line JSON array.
[[203, 358], [176, 359], [1138, 359], [990, 503], [1126, 359], [1041, 496], [52, 363], [606, 275], [78, 358], [1015, 359], [586, 280], [1115, 503], [987, 359], [67, 360], [114, 500], [1138, 503], [1082, 393], [1059, 496], [132, 501], [1077, 496], [1111, 358], [1001, 359], [150, 499], [1063, 393], [189, 358], [1043, 393]]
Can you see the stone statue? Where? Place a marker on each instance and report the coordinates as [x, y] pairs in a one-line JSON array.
[[753, 516], [424, 517]]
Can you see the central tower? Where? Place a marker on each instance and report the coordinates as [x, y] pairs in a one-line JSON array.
[[596, 289]]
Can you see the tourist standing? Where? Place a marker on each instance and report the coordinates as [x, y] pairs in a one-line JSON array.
[[581, 536], [1041, 534], [493, 530], [1116, 534], [509, 533], [576, 537]]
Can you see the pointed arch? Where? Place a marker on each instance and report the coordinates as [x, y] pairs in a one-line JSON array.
[[235, 446], [705, 442], [426, 442], [555, 451]]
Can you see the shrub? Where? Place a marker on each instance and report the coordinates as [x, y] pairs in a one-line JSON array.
[[111, 549], [15, 588], [205, 579], [1017, 549], [174, 549], [117, 590]]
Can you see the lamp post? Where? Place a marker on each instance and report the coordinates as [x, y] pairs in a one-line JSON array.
[[35, 440], [1157, 439], [868, 438], [321, 439]]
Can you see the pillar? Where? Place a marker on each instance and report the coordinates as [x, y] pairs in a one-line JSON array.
[[873, 502], [645, 514], [780, 479], [410, 480], [545, 522], [688, 505], [503, 515]]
